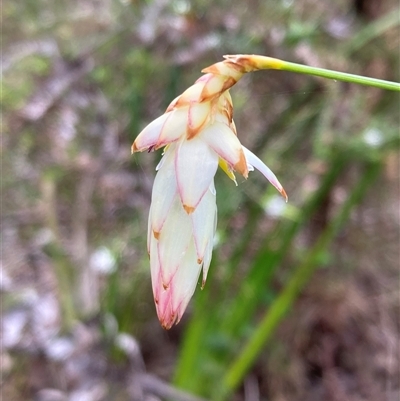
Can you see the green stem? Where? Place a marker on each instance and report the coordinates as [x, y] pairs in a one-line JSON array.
[[256, 62], [340, 76], [273, 316]]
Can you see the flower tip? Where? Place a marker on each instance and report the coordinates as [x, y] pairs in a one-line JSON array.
[[167, 320], [133, 148], [166, 325], [284, 194], [241, 165]]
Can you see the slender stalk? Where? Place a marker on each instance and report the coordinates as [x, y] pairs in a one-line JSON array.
[[341, 76], [256, 62], [273, 316]]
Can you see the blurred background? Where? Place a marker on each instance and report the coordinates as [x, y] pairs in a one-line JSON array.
[[321, 273]]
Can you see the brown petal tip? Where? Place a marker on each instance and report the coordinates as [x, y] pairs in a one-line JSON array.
[[189, 209], [241, 165], [167, 324], [284, 194]]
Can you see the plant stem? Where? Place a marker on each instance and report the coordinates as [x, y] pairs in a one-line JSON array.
[[341, 76], [278, 309], [255, 62]]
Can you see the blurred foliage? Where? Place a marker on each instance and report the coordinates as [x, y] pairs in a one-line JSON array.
[[82, 78]]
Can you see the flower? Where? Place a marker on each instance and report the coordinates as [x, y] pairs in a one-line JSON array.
[[198, 133]]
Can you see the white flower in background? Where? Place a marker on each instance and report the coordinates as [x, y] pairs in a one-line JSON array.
[[199, 134]]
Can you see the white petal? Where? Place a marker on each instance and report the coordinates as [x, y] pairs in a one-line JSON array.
[[149, 232], [150, 134], [195, 165], [227, 145], [203, 223], [174, 127], [174, 240], [254, 161], [160, 164], [198, 115], [155, 267], [216, 85], [191, 94], [164, 190], [212, 188], [184, 282], [207, 261]]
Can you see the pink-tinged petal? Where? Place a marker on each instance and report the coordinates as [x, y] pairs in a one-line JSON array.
[[165, 313], [173, 241], [172, 300], [226, 68], [198, 116], [184, 282], [203, 223], [149, 135], [191, 94], [226, 144], [204, 78], [162, 295], [164, 191], [173, 128], [195, 166], [254, 161], [216, 85]]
